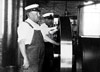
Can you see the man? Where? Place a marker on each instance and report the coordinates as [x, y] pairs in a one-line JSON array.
[[47, 27], [48, 23], [48, 30], [30, 40]]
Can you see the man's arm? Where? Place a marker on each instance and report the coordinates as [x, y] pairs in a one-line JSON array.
[[53, 31], [50, 40], [52, 28], [23, 52], [22, 48]]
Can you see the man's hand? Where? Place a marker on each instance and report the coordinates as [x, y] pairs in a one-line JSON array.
[[52, 28], [53, 31], [26, 63], [57, 44]]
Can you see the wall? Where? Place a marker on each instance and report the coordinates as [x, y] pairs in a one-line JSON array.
[[59, 7], [72, 7], [1, 18]]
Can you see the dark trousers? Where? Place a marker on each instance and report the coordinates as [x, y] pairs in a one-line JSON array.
[[48, 58]]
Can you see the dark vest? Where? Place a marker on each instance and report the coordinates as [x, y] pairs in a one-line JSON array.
[[36, 48], [35, 51]]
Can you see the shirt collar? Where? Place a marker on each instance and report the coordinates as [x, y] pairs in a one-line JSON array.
[[35, 25], [32, 22]]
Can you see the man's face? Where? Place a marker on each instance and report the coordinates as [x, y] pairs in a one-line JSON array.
[[49, 22], [35, 16]]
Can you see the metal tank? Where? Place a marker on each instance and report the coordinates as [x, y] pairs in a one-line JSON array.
[[88, 41], [65, 45]]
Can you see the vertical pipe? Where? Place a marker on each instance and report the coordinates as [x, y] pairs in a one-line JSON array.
[[4, 43], [9, 44]]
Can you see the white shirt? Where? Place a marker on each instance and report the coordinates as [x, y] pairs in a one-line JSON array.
[[44, 29], [47, 30], [25, 31]]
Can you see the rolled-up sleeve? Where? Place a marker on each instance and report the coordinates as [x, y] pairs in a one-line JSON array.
[[25, 32], [44, 29], [22, 31]]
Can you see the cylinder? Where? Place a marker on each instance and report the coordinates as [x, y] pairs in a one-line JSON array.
[[9, 44]]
